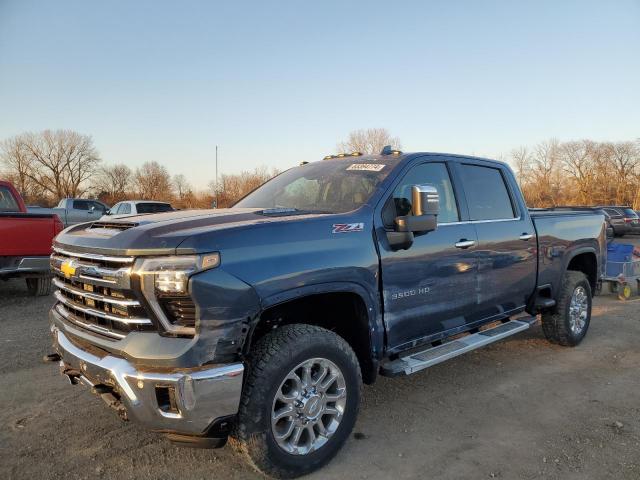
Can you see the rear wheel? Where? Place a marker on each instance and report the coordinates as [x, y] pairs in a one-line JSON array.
[[299, 402], [568, 323], [39, 287]]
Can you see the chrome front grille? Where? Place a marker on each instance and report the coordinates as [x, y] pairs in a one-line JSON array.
[[95, 293]]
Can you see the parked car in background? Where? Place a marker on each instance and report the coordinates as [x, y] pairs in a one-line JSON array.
[[75, 210], [137, 207], [622, 220], [25, 241], [632, 219]]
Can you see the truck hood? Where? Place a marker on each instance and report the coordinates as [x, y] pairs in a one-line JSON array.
[[163, 233]]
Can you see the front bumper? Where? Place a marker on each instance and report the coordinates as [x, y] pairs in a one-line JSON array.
[[201, 396], [24, 266]]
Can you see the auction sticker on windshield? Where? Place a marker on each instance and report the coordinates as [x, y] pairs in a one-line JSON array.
[[367, 167]]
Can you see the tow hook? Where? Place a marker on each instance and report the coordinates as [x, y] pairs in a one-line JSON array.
[[72, 374], [52, 357]]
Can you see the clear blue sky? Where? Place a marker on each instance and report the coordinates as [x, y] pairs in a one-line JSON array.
[[274, 83]]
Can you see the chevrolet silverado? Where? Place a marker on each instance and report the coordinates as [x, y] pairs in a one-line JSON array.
[[261, 322]]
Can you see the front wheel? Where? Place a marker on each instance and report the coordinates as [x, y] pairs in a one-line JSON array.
[[39, 286], [300, 400], [568, 323]]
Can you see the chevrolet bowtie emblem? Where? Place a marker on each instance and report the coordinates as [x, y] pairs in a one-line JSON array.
[[68, 268]]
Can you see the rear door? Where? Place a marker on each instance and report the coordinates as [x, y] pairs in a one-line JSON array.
[[507, 258], [430, 287]]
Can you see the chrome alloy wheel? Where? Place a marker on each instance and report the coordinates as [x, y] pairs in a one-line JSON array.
[[308, 406], [578, 310]]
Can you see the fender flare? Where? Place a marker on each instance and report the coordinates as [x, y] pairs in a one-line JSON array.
[[571, 254], [370, 300]]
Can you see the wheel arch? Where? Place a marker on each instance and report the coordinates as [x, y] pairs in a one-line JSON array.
[[346, 308], [584, 260]]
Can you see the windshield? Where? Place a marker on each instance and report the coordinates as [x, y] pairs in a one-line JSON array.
[[7, 202], [153, 207], [629, 213], [328, 186]]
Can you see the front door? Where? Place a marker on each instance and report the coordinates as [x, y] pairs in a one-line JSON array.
[[430, 287]]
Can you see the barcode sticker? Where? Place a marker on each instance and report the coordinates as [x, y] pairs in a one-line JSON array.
[[367, 167]]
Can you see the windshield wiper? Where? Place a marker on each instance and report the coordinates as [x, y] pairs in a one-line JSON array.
[[291, 211]]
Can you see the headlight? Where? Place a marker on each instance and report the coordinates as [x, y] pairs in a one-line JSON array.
[[165, 281]]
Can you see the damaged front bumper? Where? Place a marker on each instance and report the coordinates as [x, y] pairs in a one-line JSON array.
[[188, 404]]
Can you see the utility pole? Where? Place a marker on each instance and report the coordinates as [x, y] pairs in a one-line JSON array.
[[216, 176]]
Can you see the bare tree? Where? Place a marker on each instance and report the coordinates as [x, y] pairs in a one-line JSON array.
[[625, 161], [578, 162], [58, 163], [181, 185], [185, 197], [368, 141], [579, 172], [113, 182], [232, 188], [153, 182]]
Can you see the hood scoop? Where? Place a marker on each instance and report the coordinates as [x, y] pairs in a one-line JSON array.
[[112, 225]]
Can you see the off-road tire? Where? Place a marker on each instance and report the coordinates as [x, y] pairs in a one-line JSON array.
[[556, 324], [270, 360], [39, 286]]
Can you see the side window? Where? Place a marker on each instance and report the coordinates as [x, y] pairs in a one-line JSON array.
[[114, 210], [486, 192], [98, 206], [435, 174], [80, 205], [613, 212], [7, 202], [125, 209]]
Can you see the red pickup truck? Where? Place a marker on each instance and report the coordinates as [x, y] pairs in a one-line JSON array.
[[25, 241]]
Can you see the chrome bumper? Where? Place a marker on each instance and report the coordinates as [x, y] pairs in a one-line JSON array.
[[201, 395]]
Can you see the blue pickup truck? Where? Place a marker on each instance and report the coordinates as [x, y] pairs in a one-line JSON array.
[[262, 321]]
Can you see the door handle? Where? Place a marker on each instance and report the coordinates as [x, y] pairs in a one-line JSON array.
[[526, 236], [464, 243]]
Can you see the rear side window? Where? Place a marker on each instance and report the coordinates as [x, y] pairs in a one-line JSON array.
[[487, 193], [80, 205], [7, 202], [613, 212], [153, 207]]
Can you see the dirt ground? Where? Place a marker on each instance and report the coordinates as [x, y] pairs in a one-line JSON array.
[[520, 409]]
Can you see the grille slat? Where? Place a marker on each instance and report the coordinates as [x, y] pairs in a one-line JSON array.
[[94, 292], [97, 313], [94, 296]]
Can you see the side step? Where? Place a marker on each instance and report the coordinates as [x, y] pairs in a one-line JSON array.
[[431, 356]]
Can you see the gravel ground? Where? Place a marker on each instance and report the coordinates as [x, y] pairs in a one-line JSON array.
[[519, 409]]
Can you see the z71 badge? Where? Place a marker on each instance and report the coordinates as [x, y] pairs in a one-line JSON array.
[[347, 227]]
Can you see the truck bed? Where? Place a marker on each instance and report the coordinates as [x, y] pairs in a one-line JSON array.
[[27, 234], [564, 230]]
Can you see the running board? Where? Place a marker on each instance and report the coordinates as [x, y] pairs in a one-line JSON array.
[[431, 356]]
